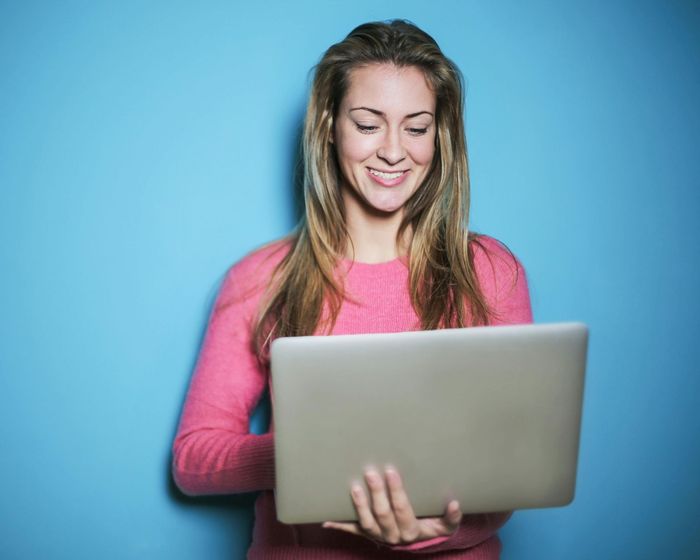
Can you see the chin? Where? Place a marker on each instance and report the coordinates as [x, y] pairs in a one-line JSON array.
[[387, 203], [387, 210], [385, 206]]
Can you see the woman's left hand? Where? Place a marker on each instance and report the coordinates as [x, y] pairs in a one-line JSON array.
[[387, 516]]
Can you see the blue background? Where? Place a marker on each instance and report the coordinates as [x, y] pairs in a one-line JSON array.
[[144, 147]]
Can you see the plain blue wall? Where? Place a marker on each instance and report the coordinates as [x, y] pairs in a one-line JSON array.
[[144, 147]]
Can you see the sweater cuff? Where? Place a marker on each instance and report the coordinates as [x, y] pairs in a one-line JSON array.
[[421, 544], [474, 530]]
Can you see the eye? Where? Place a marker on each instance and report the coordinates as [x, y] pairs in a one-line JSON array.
[[417, 131], [366, 129]]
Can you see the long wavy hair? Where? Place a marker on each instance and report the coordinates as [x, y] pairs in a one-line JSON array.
[[306, 294]]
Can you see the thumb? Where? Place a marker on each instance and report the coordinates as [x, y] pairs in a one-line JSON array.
[[453, 516]]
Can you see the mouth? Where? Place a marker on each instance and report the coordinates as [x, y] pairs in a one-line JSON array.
[[387, 178]]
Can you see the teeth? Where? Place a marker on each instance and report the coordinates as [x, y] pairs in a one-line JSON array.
[[383, 175]]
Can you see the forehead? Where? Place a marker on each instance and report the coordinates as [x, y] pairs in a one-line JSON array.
[[388, 88]]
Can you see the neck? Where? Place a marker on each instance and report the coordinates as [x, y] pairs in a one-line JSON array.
[[374, 237]]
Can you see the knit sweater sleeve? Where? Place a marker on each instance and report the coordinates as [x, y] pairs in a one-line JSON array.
[[504, 286], [213, 451]]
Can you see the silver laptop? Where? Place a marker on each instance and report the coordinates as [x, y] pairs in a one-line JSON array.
[[487, 415]]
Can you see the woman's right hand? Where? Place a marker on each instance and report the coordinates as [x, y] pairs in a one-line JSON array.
[[386, 515]]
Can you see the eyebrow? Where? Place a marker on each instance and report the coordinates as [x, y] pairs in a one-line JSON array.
[[381, 114]]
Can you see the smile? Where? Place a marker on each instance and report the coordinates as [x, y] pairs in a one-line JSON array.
[[387, 178], [384, 175]]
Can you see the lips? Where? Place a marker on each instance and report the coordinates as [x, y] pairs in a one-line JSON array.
[[387, 178]]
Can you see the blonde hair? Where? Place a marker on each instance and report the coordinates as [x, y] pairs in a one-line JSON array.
[[305, 295]]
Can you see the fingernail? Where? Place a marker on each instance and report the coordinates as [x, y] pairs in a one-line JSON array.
[[356, 490], [392, 475], [372, 477]]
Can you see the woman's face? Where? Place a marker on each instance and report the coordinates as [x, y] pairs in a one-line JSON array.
[[384, 137]]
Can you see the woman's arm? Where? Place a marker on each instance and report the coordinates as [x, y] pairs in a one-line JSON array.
[[213, 452], [504, 285]]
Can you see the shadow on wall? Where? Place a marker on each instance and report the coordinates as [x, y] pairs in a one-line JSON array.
[[241, 505]]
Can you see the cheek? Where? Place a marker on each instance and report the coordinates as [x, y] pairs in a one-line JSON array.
[[424, 153], [354, 148]]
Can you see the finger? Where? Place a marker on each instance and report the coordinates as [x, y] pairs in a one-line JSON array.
[[381, 507], [365, 518], [352, 528], [452, 517], [403, 511]]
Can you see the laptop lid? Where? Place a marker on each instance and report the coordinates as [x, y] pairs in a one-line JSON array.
[[487, 415]]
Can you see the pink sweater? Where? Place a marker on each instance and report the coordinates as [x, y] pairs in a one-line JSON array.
[[214, 453]]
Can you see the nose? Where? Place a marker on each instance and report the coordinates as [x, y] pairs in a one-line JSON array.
[[392, 150]]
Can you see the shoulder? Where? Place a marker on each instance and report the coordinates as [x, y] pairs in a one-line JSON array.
[[261, 262], [247, 279], [492, 258], [501, 278]]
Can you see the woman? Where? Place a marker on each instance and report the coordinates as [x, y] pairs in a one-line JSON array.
[[383, 247]]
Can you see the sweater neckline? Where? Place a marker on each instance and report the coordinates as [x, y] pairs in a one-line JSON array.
[[363, 268]]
